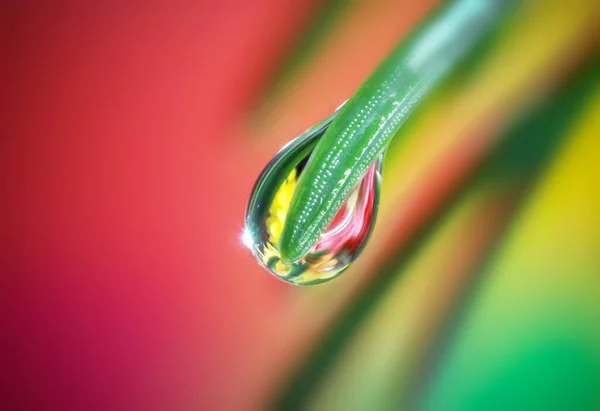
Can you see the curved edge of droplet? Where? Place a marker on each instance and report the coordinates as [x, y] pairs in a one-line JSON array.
[[252, 231]]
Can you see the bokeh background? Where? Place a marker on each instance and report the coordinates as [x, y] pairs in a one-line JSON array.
[[131, 138]]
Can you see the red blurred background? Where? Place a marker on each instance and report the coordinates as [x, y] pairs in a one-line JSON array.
[[124, 287]]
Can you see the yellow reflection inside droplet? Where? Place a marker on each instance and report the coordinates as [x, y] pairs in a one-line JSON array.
[[279, 207]]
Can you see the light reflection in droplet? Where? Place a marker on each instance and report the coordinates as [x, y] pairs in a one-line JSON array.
[[338, 246]]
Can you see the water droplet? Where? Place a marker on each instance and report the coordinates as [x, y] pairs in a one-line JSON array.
[[338, 246]]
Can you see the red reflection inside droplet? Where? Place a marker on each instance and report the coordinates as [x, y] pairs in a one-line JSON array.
[[351, 224]]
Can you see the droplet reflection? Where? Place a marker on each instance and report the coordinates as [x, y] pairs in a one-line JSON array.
[[338, 246]]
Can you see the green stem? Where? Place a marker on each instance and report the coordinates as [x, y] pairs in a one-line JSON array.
[[368, 121]]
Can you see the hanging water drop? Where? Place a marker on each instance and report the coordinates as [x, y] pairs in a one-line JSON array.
[[338, 246]]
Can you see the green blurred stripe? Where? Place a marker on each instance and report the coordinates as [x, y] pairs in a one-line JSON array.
[[546, 356], [528, 150], [523, 152]]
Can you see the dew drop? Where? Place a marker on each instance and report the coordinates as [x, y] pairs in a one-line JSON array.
[[338, 246]]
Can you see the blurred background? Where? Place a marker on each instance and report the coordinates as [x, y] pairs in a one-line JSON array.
[[133, 134]]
